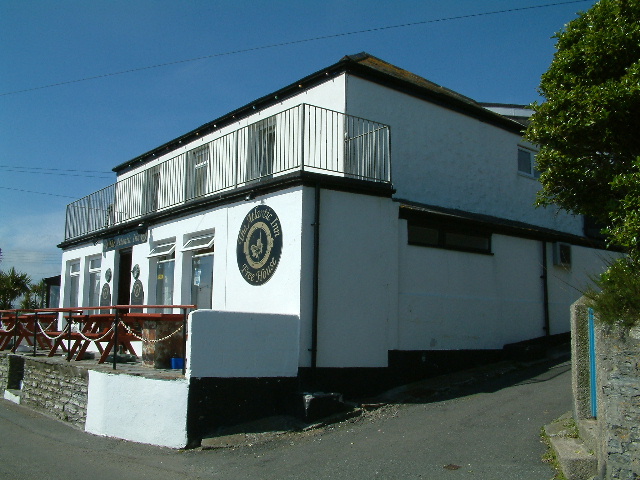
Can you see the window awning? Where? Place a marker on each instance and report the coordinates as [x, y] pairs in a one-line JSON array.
[[197, 243], [162, 250]]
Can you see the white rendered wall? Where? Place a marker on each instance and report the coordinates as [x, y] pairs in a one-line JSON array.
[[441, 157], [567, 284], [452, 300], [357, 279], [139, 409], [241, 345], [459, 300], [281, 294], [78, 254]]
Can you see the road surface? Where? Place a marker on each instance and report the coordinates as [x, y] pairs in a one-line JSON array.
[[490, 431]]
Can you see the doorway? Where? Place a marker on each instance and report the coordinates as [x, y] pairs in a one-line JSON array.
[[124, 276]]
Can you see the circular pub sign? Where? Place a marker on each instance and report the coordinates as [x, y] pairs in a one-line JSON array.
[[259, 245]]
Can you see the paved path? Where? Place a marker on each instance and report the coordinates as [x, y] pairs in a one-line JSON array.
[[489, 432]]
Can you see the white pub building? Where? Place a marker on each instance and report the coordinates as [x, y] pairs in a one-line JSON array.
[[358, 228]]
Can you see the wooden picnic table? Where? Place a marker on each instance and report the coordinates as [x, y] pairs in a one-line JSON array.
[[99, 329], [21, 327]]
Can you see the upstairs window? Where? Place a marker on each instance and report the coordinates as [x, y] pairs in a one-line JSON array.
[[197, 172], [261, 149], [151, 189], [526, 163]]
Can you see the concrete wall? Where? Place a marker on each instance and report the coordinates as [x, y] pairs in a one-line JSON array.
[[580, 360], [242, 345], [139, 409]]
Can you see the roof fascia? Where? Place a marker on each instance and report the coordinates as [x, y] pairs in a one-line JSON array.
[[441, 99]]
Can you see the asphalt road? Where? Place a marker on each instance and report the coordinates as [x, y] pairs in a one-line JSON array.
[[490, 431]]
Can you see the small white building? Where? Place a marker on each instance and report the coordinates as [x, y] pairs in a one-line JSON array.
[[359, 227]]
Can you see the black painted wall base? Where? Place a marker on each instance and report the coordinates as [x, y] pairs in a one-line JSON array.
[[220, 402], [410, 366], [404, 367]]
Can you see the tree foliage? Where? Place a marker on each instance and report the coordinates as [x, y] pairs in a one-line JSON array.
[[588, 128], [617, 300], [13, 285], [35, 297]]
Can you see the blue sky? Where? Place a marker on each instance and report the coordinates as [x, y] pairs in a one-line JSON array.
[[83, 129]]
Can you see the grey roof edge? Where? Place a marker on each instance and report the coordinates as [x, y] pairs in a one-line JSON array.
[[362, 64]]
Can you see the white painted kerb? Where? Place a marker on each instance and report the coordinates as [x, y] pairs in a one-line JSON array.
[[139, 409]]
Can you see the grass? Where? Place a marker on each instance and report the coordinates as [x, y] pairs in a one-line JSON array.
[[550, 456]]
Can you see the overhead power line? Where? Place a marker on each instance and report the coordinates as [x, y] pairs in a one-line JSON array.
[[20, 170], [54, 169], [293, 42], [38, 193]]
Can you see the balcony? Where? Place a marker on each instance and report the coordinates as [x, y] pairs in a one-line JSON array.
[[302, 138]]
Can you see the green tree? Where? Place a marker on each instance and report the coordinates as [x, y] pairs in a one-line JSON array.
[[35, 297], [13, 285], [588, 127]]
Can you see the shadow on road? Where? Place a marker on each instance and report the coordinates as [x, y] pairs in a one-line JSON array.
[[484, 379]]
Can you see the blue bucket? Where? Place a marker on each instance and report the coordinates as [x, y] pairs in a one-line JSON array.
[[177, 363]]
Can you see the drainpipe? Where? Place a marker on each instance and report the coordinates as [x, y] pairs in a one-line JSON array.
[[316, 257], [545, 290]]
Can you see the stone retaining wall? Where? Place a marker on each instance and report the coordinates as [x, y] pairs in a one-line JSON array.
[[57, 389], [11, 372], [617, 392], [618, 381], [4, 372]]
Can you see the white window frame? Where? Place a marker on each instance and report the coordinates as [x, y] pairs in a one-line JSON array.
[[531, 172], [74, 274], [92, 270]]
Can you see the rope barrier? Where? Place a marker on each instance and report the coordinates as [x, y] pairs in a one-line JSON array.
[[62, 333], [4, 330], [96, 339], [147, 340]]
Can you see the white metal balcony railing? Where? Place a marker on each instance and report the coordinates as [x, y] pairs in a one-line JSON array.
[[301, 138]]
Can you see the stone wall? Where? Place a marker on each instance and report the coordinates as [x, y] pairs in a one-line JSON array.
[[618, 380], [617, 352], [4, 372], [11, 372], [58, 389]]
